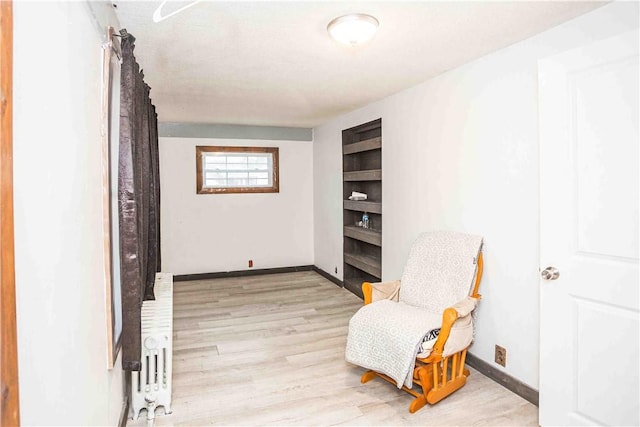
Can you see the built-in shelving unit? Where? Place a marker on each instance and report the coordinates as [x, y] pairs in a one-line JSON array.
[[362, 172]]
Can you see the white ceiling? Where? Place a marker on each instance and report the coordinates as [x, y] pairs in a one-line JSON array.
[[273, 63]]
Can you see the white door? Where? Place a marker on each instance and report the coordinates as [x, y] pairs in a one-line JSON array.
[[589, 232]]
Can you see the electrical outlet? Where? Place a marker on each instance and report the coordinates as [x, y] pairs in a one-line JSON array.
[[336, 270], [250, 263], [501, 356]]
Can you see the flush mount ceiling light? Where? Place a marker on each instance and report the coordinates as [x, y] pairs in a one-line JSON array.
[[353, 29]]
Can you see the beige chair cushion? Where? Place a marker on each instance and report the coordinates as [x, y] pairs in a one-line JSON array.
[[385, 290], [460, 337]]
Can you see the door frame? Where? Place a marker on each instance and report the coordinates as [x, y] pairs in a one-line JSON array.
[[10, 414]]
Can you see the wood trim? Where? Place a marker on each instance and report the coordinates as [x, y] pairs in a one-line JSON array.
[[106, 206], [239, 273], [112, 346], [504, 379], [328, 276], [110, 47], [275, 176], [10, 410]]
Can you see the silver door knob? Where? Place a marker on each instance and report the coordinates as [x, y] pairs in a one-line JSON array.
[[550, 273]]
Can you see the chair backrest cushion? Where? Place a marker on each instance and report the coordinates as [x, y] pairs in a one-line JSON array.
[[440, 269]]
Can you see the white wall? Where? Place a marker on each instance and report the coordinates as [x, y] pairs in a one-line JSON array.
[[60, 288], [460, 152], [204, 233]]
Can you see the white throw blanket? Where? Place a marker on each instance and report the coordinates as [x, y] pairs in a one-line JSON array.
[[385, 336]]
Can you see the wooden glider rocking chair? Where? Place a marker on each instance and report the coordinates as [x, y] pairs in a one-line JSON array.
[[440, 371]]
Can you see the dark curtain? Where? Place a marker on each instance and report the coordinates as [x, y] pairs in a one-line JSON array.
[[138, 199]]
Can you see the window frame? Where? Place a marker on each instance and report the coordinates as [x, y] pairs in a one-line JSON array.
[[201, 150]]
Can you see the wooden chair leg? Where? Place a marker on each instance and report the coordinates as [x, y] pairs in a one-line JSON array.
[[435, 396], [367, 376], [448, 385], [425, 377], [433, 378], [463, 356], [417, 403]]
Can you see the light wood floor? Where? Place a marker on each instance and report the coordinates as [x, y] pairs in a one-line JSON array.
[[269, 350]]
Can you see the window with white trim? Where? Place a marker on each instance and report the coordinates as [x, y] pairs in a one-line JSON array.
[[236, 170]]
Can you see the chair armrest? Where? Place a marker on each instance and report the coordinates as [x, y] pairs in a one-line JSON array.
[[380, 290], [460, 309]]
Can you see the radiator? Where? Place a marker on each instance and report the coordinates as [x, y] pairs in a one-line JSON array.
[[151, 386]]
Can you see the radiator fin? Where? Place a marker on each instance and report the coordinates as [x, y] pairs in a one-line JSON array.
[[153, 382]]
